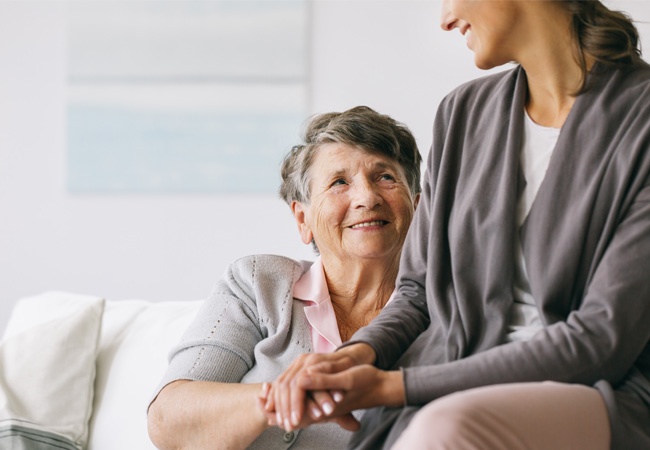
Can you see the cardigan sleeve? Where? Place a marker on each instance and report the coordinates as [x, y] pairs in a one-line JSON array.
[[245, 331], [219, 344]]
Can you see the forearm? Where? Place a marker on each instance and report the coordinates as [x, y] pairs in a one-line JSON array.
[[202, 415]]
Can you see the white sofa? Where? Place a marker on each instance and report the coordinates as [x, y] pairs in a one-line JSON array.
[[78, 371]]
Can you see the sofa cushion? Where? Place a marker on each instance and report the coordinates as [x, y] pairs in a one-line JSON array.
[[47, 370], [135, 341]]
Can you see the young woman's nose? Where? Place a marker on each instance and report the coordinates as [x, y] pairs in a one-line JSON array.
[[447, 20]]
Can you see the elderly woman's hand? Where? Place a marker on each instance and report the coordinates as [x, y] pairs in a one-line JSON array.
[[312, 408], [287, 400]]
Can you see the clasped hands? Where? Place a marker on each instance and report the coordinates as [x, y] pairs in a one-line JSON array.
[[328, 387]]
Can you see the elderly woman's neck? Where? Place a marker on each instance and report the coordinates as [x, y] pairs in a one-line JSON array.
[[352, 281], [359, 290]]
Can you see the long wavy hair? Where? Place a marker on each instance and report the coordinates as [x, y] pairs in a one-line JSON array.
[[610, 37]]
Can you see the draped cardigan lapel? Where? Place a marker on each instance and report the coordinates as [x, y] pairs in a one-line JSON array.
[[477, 180], [594, 175]]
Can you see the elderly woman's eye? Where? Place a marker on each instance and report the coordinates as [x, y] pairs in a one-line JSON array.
[[387, 176], [339, 182]]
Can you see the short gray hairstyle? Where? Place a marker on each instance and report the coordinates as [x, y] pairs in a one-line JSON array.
[[361, 127]]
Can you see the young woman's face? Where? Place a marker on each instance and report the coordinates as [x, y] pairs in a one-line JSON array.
[[492, 28]]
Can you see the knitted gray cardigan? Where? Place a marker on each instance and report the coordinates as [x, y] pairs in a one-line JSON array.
[[249, 330]]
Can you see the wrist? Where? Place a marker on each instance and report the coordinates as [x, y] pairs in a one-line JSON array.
[[392, 388], [258, 415], [360, 353]]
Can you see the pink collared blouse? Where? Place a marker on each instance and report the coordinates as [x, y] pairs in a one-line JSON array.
[[312, 289]]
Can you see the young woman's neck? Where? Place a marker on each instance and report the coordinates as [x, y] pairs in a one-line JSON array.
[[551, 93], [553, 73]]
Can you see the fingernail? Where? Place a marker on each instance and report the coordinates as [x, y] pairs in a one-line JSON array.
[[287, 425], [316, 412], [278, 419], [338, 397], [328, 408], [294, 418]]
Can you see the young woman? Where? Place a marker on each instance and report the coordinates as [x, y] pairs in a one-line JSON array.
[[523, 300]]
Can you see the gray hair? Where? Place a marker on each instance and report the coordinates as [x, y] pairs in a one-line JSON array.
[[360, 127]]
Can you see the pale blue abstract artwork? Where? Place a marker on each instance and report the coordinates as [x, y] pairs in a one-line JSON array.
[[184, 96]]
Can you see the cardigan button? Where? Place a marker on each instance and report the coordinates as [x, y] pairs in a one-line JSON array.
[[288, 437]]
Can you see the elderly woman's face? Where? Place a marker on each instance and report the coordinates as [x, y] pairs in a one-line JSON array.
[[360, 205]]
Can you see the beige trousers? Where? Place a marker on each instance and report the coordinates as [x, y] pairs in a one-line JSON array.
[[531, 416]]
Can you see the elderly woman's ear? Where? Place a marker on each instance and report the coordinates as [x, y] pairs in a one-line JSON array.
[[306, 236], [416, 200]]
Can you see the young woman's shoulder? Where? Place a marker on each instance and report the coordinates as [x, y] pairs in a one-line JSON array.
[[634, 80]]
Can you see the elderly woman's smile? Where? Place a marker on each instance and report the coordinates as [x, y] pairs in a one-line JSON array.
[[372, 223]]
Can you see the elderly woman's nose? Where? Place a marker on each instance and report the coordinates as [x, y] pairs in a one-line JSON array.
[[367, 195]]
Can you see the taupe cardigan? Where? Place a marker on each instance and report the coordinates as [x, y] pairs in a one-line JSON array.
[[586, 243]]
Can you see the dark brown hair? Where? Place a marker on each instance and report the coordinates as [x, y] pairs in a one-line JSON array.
[[610, 37]]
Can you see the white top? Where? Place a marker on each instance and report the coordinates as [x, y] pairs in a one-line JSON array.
[[537, 148]]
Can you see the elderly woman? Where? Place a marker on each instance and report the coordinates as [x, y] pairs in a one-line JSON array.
[[352, 187]]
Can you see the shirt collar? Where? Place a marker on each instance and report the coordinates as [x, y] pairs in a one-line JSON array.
[[312, 285], [312, 289]]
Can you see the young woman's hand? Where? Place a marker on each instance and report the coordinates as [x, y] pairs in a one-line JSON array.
[[359, 387]]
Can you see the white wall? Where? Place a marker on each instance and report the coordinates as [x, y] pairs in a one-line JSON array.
[[390, 55]]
